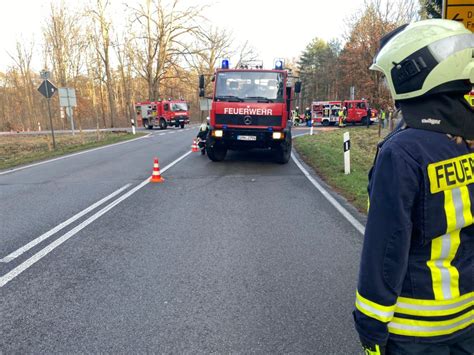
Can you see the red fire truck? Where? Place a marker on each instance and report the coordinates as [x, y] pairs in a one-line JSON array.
[[251, 108], [162, 113], [326, 112]]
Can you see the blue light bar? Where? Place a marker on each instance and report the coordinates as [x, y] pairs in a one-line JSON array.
[[225, 64], [279, 64]]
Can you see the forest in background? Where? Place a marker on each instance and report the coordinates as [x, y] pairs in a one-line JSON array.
[[328, 70], [163, 48]]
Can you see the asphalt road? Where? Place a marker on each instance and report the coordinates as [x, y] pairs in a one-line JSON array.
[[242, 256]]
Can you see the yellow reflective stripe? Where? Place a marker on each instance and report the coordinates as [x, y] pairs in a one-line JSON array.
[[421, 302], [454, 273], [436, 246], [466, 202], [368, 351], [428, 308], [374, 310], [419, 328], [445, 277]]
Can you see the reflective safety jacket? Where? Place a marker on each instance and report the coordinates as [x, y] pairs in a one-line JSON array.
[[416, 280]]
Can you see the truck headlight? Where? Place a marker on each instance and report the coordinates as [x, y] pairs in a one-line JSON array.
[[278, 135], [218, 133]]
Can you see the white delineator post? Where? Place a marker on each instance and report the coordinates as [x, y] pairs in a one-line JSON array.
[[133, 126], [347, 153], [311, 129]]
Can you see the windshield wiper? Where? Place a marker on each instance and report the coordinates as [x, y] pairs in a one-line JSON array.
[[229, 98], [259, 98]]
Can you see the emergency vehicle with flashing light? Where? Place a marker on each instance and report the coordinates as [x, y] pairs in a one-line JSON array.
[[251, 108], [162, 113], [326, 112]]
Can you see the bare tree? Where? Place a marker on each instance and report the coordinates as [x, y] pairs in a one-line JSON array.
[[22, 59], [102, 37], [245, 53], [161, 29]]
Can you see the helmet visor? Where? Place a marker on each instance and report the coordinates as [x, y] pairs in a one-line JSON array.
[[446, 47]]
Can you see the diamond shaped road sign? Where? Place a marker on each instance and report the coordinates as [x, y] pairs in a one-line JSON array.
[[47, 89]]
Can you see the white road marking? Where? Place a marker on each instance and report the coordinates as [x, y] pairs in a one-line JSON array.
[[357, 225], [70, 155], [45, 251], [44, 236], [161, 134]]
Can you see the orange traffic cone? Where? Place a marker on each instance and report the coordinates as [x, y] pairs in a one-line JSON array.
[[156, 176], [194, 146]]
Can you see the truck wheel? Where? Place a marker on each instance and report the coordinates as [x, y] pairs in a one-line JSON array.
[[216, 153], [283, 151], [325, 123], [162, 123]]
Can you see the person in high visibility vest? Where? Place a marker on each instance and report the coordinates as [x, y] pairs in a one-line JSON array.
[[382, 117], [415, 293], [340, 115]]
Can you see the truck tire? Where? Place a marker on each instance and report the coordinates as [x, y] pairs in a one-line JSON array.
[[326, 123], [146, 125], [283, 151], [216, 153], [163, 124]]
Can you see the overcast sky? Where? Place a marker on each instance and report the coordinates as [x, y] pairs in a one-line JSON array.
[[274, 28]]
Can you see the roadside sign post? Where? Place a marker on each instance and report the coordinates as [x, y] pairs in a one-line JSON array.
[[311, 129], [461, 11], [47, 89], [347, 153], [67, 99]]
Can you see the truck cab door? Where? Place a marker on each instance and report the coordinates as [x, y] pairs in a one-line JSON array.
[[350, 111], [166, 111]]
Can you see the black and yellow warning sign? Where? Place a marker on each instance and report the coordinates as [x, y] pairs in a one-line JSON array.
[[460, 10]]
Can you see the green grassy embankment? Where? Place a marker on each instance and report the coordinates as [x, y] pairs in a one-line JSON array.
[[23, 149], [324, 153]]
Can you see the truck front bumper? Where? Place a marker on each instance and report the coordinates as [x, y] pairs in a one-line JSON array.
[[241, 139]]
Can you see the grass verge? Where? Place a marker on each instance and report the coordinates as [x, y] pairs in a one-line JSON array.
[[24, 149], [324, 153]]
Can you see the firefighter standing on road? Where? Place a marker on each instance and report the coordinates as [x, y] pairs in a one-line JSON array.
[[416, 283], [340, 115]]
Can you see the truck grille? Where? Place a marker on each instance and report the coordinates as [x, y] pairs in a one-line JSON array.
[[240, 120]]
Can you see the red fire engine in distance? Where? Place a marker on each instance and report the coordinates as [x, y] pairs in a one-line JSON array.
[[251, 108], [162, 114]]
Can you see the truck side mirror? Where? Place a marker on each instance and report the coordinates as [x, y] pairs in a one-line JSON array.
[[201, 81], [298, 87]]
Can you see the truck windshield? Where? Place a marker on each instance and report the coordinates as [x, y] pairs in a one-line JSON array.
[[179, 106], [249, 86]]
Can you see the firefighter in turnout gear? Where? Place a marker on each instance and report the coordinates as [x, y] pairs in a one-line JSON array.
[[341, 118], [415, 293]]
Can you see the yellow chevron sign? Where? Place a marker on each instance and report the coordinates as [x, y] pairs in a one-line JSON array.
[[460, 10]]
